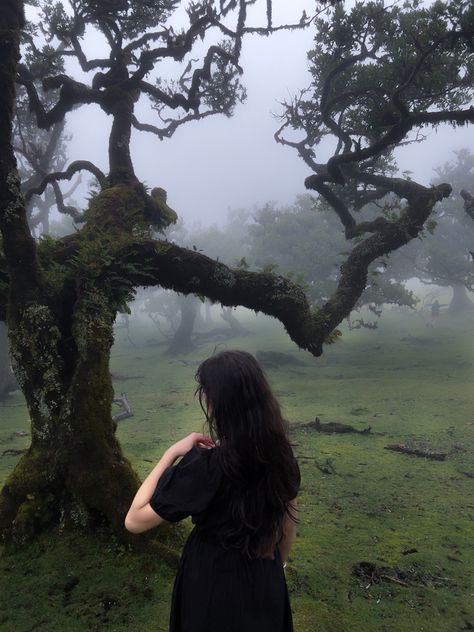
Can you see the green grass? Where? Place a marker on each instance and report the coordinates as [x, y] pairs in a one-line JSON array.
[[412, 384]]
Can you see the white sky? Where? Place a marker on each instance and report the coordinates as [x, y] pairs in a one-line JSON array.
[[216, 164]]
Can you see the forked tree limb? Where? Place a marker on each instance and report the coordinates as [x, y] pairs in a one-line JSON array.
[[74, 167]]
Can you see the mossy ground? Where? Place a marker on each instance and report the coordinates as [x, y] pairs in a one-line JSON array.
[[411, 383]]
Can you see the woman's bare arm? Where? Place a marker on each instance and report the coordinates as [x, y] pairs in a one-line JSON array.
[[141, 517], [289, 531]]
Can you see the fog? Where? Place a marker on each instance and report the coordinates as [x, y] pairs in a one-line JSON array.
[[219, 163]]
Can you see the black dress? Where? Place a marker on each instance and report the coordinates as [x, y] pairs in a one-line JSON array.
[[217, 588]]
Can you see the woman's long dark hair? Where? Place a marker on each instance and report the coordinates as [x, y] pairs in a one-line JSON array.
[[260, 470]]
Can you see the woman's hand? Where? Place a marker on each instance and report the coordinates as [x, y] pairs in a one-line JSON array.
[[182, 447]]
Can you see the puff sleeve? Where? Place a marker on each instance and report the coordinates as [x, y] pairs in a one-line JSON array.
[[188, 488]]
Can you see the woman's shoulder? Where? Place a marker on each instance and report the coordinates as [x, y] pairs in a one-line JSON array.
[[187, 488], [204, 461]]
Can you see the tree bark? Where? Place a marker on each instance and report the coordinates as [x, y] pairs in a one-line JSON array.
[[74, 472], [7, 379], [460, 302]]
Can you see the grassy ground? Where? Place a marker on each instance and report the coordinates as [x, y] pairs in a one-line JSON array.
[[410, 383]]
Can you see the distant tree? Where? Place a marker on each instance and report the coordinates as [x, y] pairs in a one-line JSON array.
[[40, 152], [469, 208], [442, 258], [226, 243], [174, 315], [381, 73]]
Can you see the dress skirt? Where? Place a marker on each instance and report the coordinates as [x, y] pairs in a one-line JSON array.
[[222, 590]]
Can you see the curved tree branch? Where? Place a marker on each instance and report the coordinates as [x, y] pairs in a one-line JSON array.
[[76, 215], [169, 130], [186, 271], [74, 167]]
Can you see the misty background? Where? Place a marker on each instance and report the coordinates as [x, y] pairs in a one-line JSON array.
[[216, 164]]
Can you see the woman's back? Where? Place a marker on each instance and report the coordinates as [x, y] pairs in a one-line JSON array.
[[219, 587], [239, 486]]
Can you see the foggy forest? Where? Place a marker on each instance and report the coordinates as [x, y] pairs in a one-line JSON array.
[[293, 179]]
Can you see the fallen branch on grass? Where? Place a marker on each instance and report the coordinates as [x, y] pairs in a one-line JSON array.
[[327, 467], [13, 452], [124, 404], [426, 453], [334, 427], [414, 575]]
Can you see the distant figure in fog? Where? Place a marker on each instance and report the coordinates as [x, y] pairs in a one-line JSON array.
[[435, 310], [239, 485]]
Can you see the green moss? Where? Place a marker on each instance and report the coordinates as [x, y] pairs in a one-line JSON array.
[[37, 362], [158, 212], [115, 210]]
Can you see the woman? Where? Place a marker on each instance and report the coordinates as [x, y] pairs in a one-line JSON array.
[[239, 485]]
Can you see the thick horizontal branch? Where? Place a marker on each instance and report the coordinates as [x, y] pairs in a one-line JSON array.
[[74, 167], [161, 263], [173, 101], [186, 271]]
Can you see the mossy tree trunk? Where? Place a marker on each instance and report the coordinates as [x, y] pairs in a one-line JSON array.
[[60, 326], [74, 472]]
